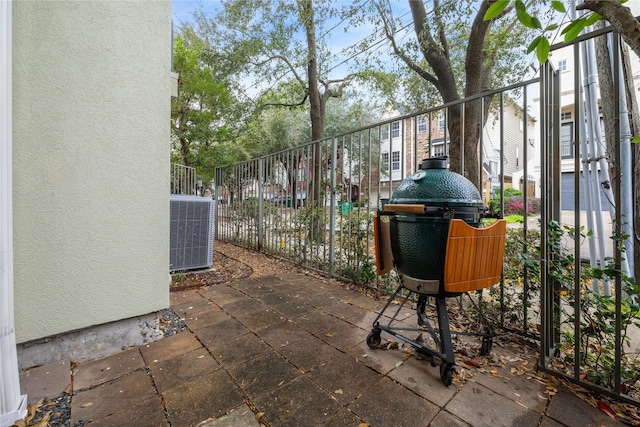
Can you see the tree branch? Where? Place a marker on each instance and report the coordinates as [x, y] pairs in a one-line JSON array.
[[620, 17], [289, 65], [406, 59], [282, 104]]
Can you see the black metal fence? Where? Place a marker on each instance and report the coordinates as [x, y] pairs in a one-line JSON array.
[[313, 206]]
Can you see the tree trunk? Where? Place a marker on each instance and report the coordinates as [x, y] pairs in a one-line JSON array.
[[634, 119], [316, 104]]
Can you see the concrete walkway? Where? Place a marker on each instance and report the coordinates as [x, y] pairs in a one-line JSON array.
[[292, 350]]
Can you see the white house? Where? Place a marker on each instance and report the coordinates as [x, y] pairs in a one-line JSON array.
[[422, 136]]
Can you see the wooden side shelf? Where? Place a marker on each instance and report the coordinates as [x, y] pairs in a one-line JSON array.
[[474, 256]]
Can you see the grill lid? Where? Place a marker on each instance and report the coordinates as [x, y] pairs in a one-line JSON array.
[[435, 185]]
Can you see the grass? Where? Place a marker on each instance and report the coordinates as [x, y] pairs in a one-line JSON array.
[[511, 219]]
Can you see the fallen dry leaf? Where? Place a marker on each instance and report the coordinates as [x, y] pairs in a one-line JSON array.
[[472, 362], [606, 409], [260, 416], [86, 405]]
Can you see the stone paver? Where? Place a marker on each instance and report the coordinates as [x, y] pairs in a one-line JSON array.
[[568, 409], [222, 294], [308, 354], [298, 403], [388, 403], [203, 319], [148, 412], [293, 347], [477, 405], [44, 381], [446, 419], [419, 376], [96, 372], [210, 396], [264, 374], [193, 307], [109, 398], [383, 361], [283, 333], [172, 373], [331, 377], [238, 350], [221, 332], [342, 335], [520, 388], [241, 417], [169, 347]]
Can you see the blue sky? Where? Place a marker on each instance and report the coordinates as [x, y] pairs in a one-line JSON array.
[[182, 10]]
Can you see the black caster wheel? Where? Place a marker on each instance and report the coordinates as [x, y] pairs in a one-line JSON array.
[[485, 348], [446, 374], [373, 339], [433, 361]]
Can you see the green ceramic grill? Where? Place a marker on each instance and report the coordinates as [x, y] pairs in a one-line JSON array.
[[434, 196]]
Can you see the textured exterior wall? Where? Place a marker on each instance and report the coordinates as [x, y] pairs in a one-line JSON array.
[[91, 103]]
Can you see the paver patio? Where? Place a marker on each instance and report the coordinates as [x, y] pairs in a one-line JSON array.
[[293, 347]]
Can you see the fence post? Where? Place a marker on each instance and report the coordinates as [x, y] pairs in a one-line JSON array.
[[332, 208], [261, 181], [548, 112]]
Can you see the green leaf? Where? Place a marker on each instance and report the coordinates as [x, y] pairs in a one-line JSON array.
[[536, 23], [534, 44], [636, 140], [551, 27], [592, 19], [524, 17], [574, 29], [558, 6], [542, 50], [496, 9]]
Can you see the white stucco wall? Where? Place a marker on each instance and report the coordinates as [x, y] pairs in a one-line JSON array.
[[91, 108]]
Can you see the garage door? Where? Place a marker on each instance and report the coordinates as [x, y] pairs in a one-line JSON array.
[[567, 193]]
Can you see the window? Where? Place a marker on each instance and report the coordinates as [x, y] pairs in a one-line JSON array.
[[437, 150], [441, 121], [565, 116], [521, 124], [566, 140], [395, 161], [422, 124], [384, 163], [384, 132], [517, 156], [562, 65], [395, 129], [302, 174]]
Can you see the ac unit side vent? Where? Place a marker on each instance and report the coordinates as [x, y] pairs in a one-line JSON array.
[[191, 232]]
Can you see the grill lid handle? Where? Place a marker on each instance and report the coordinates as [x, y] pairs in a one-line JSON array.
[[405, 208]]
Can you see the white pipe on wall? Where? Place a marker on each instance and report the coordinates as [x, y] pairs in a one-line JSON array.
[[12, 404]]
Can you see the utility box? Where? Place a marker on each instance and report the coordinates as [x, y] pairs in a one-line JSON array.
[[191, 232]]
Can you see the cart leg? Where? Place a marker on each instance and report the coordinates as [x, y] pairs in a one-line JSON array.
[[374, 339], [420, 308], [446, 346]]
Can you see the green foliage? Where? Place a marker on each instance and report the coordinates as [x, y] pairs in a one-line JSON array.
[[200, 115], [595, 343], [541, 43], [597, 315], [355, 234], [310, 223]]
